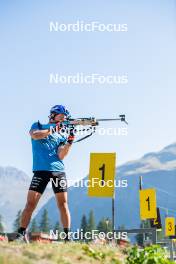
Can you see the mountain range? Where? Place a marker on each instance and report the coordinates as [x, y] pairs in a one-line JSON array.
[[158, 170]]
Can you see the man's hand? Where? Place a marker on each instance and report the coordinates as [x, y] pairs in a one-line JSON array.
[[71, 136], [64, 150]]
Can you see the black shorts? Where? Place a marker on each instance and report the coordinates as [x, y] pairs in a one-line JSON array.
[[41, 178]]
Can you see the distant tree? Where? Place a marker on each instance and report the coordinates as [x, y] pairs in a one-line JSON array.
[[105, 225], [57, 227], [91, 222], [84, 224], [1, 225], [16, 223], [34, 227], [44, 223]]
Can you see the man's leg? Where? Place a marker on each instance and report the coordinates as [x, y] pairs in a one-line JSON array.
[[60, 190], [62, 204], [38, 184], [32, 201]]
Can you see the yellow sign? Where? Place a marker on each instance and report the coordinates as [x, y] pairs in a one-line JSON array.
[[148, 208], [156, 222], [169, 226], [101, 174]]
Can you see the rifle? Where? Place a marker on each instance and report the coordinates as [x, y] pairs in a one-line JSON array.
[[71, 123]]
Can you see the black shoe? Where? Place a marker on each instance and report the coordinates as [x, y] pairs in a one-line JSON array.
[[20, 238]]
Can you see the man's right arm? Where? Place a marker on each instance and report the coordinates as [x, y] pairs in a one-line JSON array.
[[39, 134]]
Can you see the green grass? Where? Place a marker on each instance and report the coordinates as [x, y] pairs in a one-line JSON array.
[[13, 253], [70, 253]]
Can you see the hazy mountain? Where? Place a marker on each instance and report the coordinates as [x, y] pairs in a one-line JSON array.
[[157, 169], [14, 184]]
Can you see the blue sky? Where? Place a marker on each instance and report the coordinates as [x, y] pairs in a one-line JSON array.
[[29, 52]]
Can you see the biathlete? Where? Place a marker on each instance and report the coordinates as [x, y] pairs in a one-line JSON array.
[[49, 150]]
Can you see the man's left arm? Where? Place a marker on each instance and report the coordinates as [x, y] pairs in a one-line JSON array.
[[64, 150]]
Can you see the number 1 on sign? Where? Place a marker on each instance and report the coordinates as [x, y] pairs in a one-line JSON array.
[[148, 200], [102, 168], [101, 172], [148, 208]]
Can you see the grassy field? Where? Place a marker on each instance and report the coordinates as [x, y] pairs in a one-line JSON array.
[[12, 253]]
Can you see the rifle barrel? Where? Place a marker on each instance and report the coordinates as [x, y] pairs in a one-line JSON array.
[[108, 119]]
